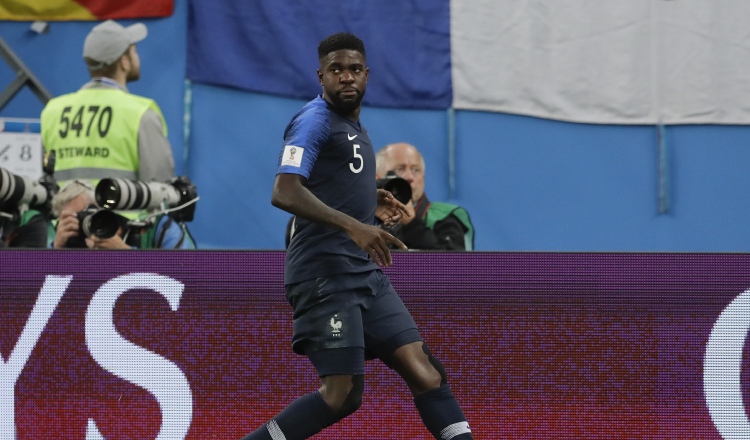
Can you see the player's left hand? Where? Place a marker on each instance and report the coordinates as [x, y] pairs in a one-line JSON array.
[[389, 210]]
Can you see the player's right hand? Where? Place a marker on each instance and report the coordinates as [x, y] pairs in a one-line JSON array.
[[375, 241]]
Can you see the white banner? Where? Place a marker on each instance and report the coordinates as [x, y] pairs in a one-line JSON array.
[[604, 61], [21, 150]]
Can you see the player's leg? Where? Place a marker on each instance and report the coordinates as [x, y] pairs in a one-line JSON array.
[[328, 329], [301, 419], [393, 337], [428, 382], [339, 396], [342, 393]]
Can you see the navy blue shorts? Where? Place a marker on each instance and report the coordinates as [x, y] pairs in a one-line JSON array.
[[341, 320]]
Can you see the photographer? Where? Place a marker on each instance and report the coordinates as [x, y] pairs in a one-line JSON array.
[[77, 199], [25, 206], [432, 225], [31, 230]]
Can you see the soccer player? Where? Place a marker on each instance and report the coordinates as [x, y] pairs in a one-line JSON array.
[[345, 309]]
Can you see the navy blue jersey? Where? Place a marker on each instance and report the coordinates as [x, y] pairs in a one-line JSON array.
[[336, 157]]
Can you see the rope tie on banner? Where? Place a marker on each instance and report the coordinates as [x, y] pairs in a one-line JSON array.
[[661, 134]]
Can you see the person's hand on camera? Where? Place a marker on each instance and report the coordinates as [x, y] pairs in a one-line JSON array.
[[67, 228], [114, 242]]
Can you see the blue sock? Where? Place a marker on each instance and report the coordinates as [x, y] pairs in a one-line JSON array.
[[303, 418], [441, 414]]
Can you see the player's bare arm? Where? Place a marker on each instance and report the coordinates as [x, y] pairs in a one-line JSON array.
[[291, 195]]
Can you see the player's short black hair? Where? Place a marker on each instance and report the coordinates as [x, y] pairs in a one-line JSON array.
[[340, 41]]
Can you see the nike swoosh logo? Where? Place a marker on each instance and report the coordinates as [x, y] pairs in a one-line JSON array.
[[351, 138]]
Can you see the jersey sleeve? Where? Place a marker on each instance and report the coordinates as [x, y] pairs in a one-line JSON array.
[[304, 138]]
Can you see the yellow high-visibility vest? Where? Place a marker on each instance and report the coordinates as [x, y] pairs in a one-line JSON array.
[[94, 133]]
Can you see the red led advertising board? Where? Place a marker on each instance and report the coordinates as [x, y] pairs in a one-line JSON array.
[[197, 345]]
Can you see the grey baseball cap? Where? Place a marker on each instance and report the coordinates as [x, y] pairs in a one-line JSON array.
[[108, 40]]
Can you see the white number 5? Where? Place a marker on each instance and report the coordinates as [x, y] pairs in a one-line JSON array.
[[361, 161]]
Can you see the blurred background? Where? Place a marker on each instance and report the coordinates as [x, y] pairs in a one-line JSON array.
[[560, 126]]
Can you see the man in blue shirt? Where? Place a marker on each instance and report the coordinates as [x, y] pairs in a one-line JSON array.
[[345, 309]]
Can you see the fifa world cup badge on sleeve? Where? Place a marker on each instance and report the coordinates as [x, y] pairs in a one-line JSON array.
[[292, 155]]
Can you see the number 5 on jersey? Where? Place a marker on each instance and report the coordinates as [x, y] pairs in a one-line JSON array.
[[361, 161]]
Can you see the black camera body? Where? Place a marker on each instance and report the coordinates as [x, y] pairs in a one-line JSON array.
[[96, 222], [400, 188]]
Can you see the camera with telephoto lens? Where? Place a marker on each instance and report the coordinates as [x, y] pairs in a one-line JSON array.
[[178, 193], [96, 222], [399, 187], [19, 191]]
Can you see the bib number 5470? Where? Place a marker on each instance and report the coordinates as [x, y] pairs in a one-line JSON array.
[[103, 118]]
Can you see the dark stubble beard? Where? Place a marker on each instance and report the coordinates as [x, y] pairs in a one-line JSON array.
[[134, 75], [348, 106]]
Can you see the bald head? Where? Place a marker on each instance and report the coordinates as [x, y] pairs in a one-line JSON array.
[[406, 161]]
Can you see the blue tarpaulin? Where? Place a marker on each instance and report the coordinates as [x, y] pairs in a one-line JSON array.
[[268, 46]]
